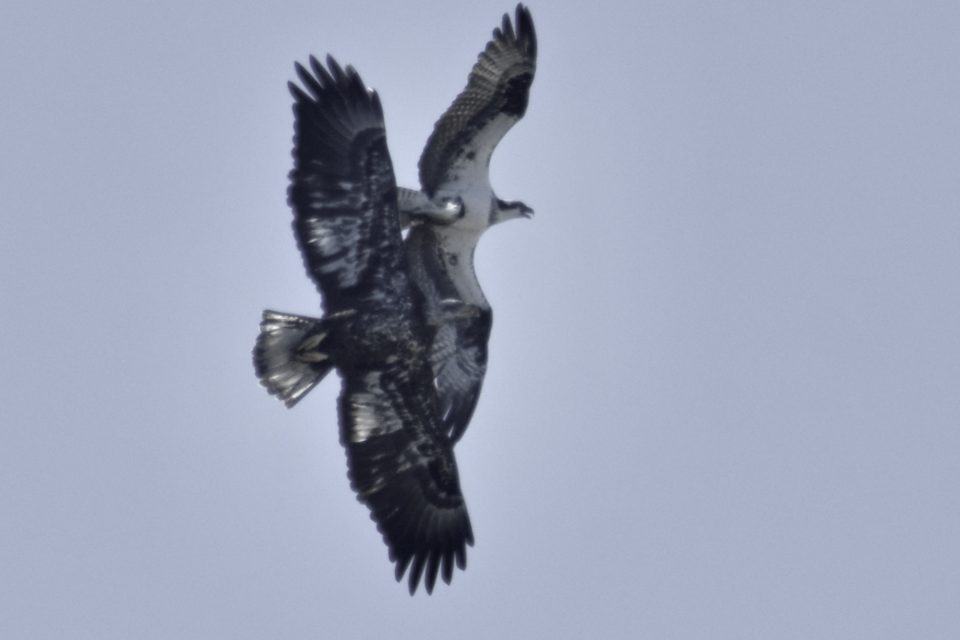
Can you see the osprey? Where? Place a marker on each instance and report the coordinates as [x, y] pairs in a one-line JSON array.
[[405, 322], [454, 169]]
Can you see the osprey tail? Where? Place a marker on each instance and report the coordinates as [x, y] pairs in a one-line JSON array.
[[290, 356]]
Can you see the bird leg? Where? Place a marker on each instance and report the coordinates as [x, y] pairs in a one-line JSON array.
[[416, 208]]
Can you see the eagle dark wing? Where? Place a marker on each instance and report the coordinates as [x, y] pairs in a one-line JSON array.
[[495, 98], [342, 189], [458, 356], [344, 198], [402, 467]]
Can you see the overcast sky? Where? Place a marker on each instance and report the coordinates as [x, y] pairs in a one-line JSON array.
[[724, 391]]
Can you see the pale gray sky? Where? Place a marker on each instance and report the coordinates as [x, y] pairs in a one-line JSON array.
[[723, 393]]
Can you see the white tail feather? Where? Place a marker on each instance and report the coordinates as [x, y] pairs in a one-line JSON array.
[[289, 356]]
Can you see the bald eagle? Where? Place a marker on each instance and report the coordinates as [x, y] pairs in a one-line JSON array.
[[405, 323]]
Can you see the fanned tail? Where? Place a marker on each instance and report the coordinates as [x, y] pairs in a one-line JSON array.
[[290, 356]]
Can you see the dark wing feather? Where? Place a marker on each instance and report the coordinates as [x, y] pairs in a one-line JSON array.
[[458, 356], [458, 350], [495, 98], [342, 188], [403, 469]]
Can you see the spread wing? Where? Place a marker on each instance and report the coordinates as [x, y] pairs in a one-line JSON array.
[[459, 149], [402, 467], [459, 359], [342, 189]]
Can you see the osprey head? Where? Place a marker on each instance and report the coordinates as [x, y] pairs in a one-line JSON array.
[[502, 211]]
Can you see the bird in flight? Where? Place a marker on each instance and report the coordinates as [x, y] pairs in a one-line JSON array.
[[405, 323], [454, 167]]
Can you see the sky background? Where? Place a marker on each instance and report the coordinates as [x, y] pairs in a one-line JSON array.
[[722, 400]]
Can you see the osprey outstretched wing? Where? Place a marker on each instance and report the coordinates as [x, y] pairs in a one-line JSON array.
[[346, 222], [462, 321], [495, 98]]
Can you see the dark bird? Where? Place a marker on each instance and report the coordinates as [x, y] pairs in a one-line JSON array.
[[403, 326]]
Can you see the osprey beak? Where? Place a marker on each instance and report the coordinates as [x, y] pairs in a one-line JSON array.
[[526, 211]]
